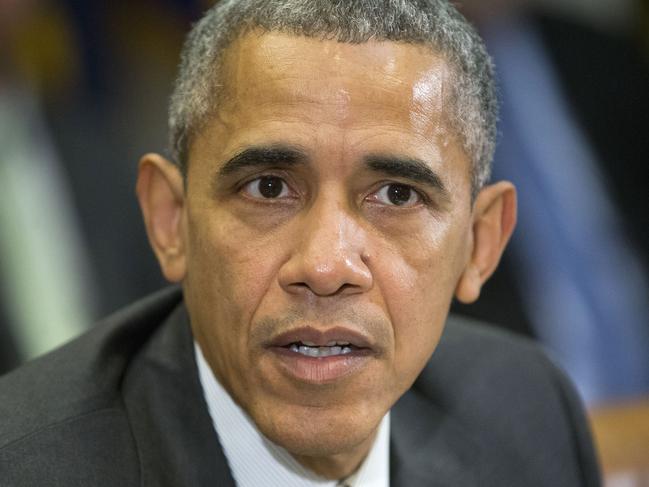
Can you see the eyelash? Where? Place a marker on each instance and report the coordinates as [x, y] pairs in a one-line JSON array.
[[422, 197], [285, 187], [282, 177]]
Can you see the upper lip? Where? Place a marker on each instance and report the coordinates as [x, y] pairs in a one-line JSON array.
[[321, 338]]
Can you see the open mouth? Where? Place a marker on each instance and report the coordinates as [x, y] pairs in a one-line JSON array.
[[331, 349], [314, 356], [310, 342]]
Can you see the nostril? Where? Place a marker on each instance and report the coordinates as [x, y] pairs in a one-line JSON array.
[[347, 287], [299, 286], [322, 289], [322, 272]]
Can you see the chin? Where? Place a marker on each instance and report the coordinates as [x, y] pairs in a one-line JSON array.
[[320, 432]]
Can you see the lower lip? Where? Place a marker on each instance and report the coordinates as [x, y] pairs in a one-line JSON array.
[[320, 370]]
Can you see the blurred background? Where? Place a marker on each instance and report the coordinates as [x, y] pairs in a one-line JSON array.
[[83, 94]]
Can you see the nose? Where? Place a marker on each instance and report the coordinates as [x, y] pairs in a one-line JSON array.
[[330, 256]]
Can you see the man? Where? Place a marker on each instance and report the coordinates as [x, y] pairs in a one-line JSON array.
[[329, 200]]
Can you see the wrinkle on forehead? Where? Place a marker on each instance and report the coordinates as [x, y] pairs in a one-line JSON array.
[[343, 79], [428, 91]]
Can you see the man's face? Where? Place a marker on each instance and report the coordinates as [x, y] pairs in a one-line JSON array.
[[327, 221]]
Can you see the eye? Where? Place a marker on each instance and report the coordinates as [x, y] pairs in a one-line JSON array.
[[396, 194], [267, 187]]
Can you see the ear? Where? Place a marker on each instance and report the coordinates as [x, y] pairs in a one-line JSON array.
[[161, 194], [494, 219]]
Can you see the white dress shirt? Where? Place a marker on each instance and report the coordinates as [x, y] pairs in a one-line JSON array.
[[254, 460]]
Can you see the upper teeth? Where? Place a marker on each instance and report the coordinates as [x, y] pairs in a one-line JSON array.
[[316, 351]]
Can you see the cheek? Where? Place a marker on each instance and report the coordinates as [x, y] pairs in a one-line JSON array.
[[227, 256], [418, 277], [232, 268], [229, 273]]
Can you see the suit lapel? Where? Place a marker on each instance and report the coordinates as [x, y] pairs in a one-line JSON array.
[[170, 422], [428, 447]]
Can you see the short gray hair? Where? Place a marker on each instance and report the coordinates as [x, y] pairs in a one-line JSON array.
[[433, 23]]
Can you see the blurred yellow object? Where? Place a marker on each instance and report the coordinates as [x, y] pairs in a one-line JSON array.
[[44, 50], [621, 434], [144, 32]]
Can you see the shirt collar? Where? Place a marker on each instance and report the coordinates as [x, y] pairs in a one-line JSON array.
[[255, 460]]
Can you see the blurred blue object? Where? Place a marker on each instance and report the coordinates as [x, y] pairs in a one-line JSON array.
[[582, 278]]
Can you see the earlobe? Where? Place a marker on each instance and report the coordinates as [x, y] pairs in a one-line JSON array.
[[494, 219], [160, 192], [469, 285]]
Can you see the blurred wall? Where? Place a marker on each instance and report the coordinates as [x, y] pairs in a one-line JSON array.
[[609, 14]]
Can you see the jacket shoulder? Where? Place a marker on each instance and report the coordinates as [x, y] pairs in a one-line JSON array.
[[58, 405], [516, 405], [481, 371]]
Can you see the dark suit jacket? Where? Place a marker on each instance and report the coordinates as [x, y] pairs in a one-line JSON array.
[[123, 406]]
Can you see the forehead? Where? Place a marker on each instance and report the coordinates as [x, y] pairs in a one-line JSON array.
[[339, 103], [343, 83]]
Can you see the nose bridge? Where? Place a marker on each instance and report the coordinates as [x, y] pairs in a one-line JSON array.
[[331, 254], [330, 229]]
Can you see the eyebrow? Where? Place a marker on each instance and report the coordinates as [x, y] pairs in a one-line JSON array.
[[410, 168], [263, 156]]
